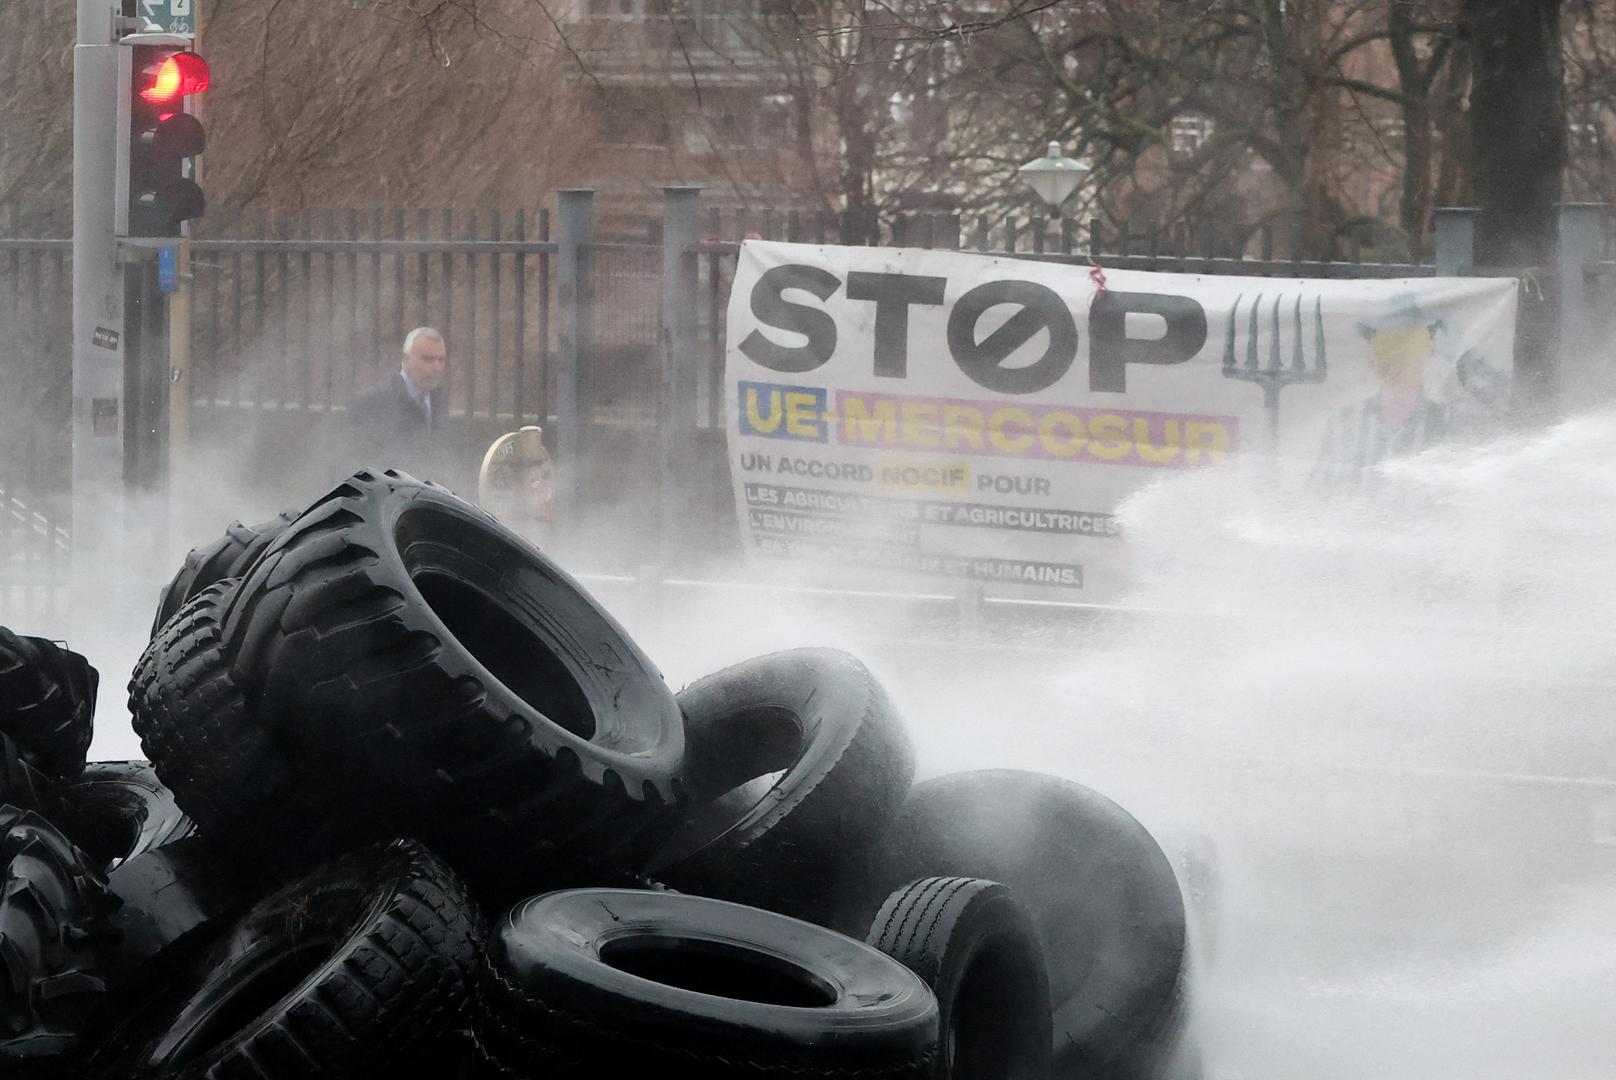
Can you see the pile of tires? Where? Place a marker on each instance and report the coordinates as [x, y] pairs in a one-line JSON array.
[[417, 805]]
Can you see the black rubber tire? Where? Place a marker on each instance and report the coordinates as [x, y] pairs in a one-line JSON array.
[[1099, 888], [451, 1056], [231, 555], [618, 983], [823, 718], [452, 682], [53, 911], [241, 781], [22, 785], [340, 973], [205, 746], [167, 894], [47, 702], [979, 951], [117, 810], [244, 784], [1198, 866]]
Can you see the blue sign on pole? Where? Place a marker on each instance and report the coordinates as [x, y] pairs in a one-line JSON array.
[[168, 278]]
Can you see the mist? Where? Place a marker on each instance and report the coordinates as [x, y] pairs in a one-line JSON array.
[[1376, 727], [1379, 723]]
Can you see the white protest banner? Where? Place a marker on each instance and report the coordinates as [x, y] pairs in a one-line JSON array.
[[897, 412]]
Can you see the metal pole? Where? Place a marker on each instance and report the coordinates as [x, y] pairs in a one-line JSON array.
[[680, 406], [146, 387], [1582, 377], [179, 342], [179, 374], [575, 296], [98, 308]]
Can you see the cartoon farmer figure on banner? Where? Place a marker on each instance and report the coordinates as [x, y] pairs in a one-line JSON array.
[[1428, 390]]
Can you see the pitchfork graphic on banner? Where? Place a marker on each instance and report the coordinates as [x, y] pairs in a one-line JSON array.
[[1276, 375]]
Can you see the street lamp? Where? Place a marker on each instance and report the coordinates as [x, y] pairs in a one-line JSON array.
[[1054, 176]]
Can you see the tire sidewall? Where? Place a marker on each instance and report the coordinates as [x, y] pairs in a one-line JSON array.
[[587, 652], [827, 712], [1101, 894], [552, 946], [123, 810]]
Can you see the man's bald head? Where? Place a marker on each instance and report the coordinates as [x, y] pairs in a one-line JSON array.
[[426, 358]]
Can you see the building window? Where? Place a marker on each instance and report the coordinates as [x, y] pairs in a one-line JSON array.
[[778, 118], [743, 122], [631, 118], [627, 9]]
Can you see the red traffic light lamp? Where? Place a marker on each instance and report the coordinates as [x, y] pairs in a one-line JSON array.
[[157, 189], [178, 75]]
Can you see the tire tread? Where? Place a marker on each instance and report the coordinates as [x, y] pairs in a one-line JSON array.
[[47, 702], [54, 908]]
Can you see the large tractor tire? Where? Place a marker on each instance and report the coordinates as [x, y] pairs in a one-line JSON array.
[[53, 912], [117, 810], [22, 785], [405, 665], [350, 970], [227, 772], [227, 557], [797, 762], [616, 983], [47, 702]]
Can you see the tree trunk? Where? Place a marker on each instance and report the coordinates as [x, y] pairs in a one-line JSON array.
[[1517, 127], [1451, 119], [1414, 208], [1414, 78]]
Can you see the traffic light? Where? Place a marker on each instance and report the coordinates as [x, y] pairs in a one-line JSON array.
[[158, 192]]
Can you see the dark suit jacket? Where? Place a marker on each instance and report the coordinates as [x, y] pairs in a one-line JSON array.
[[385, 428]]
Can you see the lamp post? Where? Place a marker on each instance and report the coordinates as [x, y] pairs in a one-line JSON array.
[[1054, 176]]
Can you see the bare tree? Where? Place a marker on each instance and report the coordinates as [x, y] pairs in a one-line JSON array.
[[36, 97], [866, 84], [1590, 60], [1326, 115], [326, 102], [1177, 105], [387, 101]]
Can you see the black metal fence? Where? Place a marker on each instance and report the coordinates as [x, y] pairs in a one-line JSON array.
[[293, 313], [1339, 249], [36, 400], [299, 312], [34, 566], [36, 377]]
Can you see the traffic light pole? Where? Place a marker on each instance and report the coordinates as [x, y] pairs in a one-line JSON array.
[[145, 380], [99, 337], [179, 372], [134, 144], [179, 347]]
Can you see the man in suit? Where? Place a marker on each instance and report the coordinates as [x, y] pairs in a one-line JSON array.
[[395, 422]]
